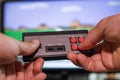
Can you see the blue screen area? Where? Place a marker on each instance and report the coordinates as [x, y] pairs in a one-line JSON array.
[[54, 14], [57, 15]]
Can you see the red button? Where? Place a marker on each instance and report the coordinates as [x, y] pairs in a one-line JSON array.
[[80, 39], [74, 47], [73, 40]]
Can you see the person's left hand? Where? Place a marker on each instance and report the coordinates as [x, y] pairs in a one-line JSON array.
[[19, 71], [11, 48]]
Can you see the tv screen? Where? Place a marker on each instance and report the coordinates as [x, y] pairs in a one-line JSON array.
[[54, 15]]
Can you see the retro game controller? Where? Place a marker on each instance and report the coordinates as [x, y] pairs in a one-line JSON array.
[[56, 45]]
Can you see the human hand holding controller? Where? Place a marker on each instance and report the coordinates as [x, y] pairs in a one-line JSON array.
[[107, 52], [10, 69]]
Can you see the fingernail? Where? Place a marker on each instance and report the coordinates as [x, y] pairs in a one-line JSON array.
[[43, 75], [36, 42]]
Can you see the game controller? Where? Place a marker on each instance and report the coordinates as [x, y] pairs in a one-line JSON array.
[[56, 45]]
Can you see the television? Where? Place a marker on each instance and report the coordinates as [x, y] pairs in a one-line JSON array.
[[54, 15]]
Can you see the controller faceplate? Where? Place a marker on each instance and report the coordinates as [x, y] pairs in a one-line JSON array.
[[56, 45]]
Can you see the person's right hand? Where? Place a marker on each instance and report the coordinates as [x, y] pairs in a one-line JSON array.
[[107, 52]]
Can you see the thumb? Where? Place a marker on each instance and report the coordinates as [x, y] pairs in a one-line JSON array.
[[27, 48], [94, 36]]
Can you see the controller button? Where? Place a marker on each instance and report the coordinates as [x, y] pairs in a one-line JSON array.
[[80, 39], [73, 40], [74, 47]]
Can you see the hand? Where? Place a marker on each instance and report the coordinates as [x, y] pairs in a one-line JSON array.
[[107, 52], [11, 48], [10, 69], [18, 71]]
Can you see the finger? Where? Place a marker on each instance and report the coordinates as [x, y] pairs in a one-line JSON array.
[[108, 51], [19, 70], [2, 72], [28, 71], [94, 36], [10, 71], [27, 48], [73, 57], [93, 63], [40, 76], [38, 64]]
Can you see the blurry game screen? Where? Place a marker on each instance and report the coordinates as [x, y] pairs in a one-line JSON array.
[[55, 15]]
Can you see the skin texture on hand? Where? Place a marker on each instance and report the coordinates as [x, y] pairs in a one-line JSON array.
[[10, 69], [11, 48], [107, 52], [19, 71]]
